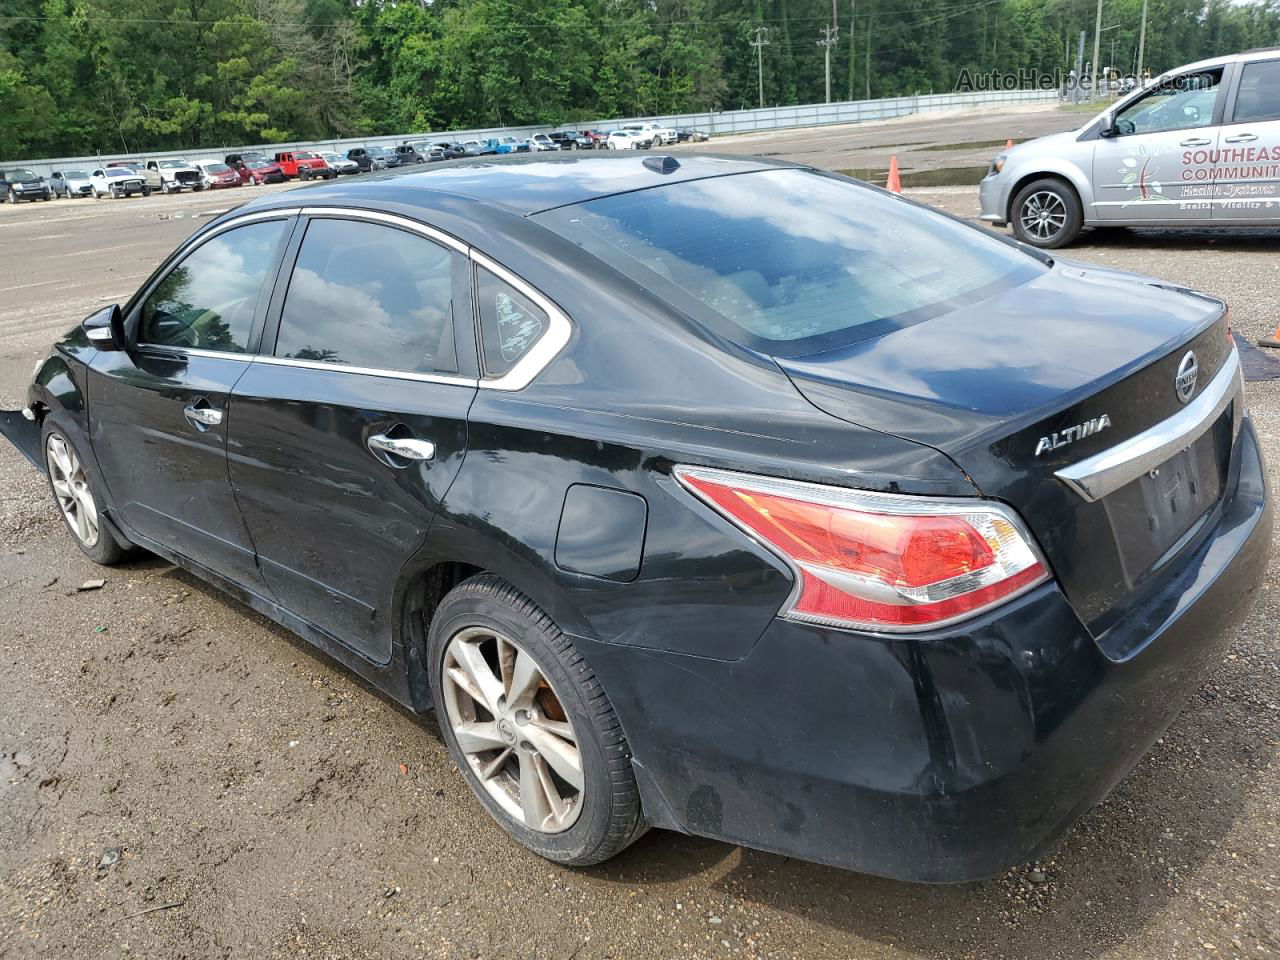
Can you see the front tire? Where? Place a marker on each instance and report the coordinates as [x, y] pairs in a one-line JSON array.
[[1047, 214], [79, 504], [530, 727]]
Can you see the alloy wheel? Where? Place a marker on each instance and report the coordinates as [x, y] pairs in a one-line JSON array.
[[1043, 215], [511, 727], [71, 488]]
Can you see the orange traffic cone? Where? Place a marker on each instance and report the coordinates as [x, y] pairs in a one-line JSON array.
[[894, 183]]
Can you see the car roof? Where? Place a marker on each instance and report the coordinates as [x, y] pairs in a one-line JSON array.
[[525, 184], [1260, 53]]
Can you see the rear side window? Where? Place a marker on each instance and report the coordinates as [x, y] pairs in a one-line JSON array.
[[369, 295], [791, 262], [510, 323], [1259, 96], [208, 301]]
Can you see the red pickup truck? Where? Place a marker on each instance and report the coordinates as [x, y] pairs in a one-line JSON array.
[[303, 165]]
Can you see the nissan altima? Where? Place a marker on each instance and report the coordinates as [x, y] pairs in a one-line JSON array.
[[710, 494]]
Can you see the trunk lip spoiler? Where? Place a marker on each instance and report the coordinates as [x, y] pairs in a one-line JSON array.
[[1104, 473]]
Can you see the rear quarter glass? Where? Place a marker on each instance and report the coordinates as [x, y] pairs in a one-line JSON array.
[[793, 262]]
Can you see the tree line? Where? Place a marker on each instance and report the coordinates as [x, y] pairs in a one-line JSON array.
[[123, 76]]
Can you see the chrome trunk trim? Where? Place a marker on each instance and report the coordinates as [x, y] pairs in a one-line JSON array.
[[1104, 473]]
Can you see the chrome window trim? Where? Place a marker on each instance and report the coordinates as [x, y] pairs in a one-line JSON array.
[[521, 375], [366, 371], [541, 353], [390, 219], [181, 353], [1104, 473]]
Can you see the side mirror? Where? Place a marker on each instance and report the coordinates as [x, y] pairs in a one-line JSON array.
[[1108, 127], [105, 329]]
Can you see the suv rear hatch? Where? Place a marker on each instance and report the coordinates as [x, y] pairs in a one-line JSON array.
[[1026, 390]]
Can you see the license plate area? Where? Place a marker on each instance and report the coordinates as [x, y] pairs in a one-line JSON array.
[[1154, 516]]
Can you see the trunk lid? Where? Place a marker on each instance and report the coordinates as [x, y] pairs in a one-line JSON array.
[[1039, 378]]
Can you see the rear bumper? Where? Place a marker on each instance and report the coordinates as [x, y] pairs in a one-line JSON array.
[[941, 758]]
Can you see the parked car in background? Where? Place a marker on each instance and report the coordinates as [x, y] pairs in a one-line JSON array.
[[1195, 148], [58, 184], [235, 160], [540, 142], [626, 140], [689, 134], [23, 184], [76, 182], [340, 164], [303, 165], [650, 133], [388, 158], [150, 176], [596, 138], [117, 182], [362, 158], [509, 145], [258, 172], [569, 140], [479, 148], [176, 175], [409, 154], [216, 175], [450, 149]]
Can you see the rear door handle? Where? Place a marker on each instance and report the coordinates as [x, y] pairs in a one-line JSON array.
[[1242, 138], [202, 416], [397, 447], [1196, 142]]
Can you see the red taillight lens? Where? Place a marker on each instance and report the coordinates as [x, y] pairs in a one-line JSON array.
[[879, 561]]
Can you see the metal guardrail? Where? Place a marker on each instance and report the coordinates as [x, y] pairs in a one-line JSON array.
[[720, 123]]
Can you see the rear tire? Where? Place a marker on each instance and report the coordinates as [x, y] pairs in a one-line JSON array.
[[488, 637], [77, 500], [1046, 213]]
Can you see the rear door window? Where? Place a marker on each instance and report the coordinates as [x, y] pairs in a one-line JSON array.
[[369, 295], [209, 300], [1259, 94]]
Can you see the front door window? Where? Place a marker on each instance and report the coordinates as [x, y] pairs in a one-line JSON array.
[[1180, 103]]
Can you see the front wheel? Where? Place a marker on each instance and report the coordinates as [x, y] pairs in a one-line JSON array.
[[79, 504], [530, 727], [1047, 214]]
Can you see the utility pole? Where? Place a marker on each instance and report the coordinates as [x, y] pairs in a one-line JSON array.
[[827, 42], [866, 60], [1097, 40], [853, 12], [1142, 41], [760, 42]]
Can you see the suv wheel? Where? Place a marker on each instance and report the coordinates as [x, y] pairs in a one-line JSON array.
[[75, 497], [529, 725], [13, 196], [1047, 214]]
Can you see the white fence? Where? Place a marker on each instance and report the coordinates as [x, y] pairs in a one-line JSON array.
[[719, 123]]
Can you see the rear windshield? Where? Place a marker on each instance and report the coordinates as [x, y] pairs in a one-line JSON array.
[[793, 262]]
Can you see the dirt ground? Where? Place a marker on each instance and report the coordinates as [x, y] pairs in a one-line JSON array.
[[163, 749]]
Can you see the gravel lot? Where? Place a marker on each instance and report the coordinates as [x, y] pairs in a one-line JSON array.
[[164, 749]]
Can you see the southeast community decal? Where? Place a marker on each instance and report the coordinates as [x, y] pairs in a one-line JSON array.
[[1235, 177], [516, 329]]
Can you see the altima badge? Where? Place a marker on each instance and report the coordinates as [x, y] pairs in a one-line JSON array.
[[1185, 380], [1061, 438]]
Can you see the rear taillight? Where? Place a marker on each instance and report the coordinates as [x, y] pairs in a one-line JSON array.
[[878, 561]]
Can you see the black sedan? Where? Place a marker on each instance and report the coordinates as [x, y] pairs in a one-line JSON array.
[[712, 494]]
